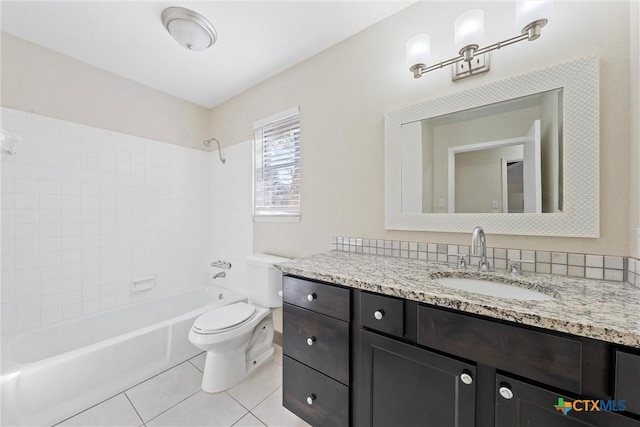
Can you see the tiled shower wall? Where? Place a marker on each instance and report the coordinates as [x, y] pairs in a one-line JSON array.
[[231, 213], [87, 211]]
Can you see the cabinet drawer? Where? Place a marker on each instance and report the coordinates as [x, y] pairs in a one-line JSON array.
[[544, 357], [316, 340], [321, 298], [329, 400], [627, 380], [382, 313]]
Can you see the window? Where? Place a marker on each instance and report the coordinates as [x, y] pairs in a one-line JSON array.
[[277, 167]]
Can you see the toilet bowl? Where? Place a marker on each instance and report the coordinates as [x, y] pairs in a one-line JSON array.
[[238, 338]]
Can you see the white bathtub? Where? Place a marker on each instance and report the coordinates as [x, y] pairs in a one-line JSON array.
[[52, 373]]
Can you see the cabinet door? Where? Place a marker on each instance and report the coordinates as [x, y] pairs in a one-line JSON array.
[[627, 380], [403, 385], [527, 405]]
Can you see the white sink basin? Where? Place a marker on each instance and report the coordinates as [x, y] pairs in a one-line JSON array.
[[494, 289]]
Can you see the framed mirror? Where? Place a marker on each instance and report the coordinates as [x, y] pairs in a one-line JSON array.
[[519, 156]]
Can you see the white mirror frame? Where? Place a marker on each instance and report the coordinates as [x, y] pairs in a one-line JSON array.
[[580, 80]]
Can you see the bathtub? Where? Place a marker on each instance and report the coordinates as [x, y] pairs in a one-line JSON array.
[[55, 372]]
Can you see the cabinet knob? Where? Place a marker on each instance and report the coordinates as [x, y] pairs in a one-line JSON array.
[[311, 340], [379, 314], [466, 378], [310, 399], [311, 297], [506, 392]]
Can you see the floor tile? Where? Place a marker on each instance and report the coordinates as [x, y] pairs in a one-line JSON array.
[[257, 386], [161, 392], [198, 361], [272, 413], [202, 409], [249, 421], [277, 354], [116, 411]]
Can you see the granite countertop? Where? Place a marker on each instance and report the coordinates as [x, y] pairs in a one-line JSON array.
[[606, 311]]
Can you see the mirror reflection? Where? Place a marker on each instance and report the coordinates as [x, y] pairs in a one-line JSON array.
[[498, 158]]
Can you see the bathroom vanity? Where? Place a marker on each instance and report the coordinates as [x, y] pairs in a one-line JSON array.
[[371, 340]]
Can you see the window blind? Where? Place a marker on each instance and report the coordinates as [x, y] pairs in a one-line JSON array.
[[277, 165]]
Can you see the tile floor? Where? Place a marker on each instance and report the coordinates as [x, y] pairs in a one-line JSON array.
[[174, 398]]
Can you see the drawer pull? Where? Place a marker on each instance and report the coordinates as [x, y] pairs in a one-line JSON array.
[[311, 340], [506, 392], [311, 297], [466, 378], [310, 399], [379, 314]]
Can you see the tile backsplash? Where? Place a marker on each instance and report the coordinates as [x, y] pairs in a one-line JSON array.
[[601, 267], [86, 211], [633, 271]]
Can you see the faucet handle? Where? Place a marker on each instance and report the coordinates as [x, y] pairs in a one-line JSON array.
[[516, 263], [462, 261], [483, 264], [221, 264]]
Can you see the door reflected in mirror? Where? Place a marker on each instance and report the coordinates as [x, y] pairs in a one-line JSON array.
[[498, 158]]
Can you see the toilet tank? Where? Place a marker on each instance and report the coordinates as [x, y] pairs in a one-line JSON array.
[[264, 281]]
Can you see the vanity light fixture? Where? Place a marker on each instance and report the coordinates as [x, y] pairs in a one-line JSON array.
[[531, 16], [190, 29]]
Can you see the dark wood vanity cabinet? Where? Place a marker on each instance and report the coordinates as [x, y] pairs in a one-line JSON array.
[[475, 371], [534, 406], [403, 385], [316, 349], [627, 379], [386, 361]]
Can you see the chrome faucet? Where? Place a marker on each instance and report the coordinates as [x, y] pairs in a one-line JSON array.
[[221, 264], [220, 274], [479, 247]]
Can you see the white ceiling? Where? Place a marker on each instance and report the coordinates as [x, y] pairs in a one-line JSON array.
[[256, 40]]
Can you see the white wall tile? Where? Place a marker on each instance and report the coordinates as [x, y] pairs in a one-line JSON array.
[[51, 287], [23, 246], [231, 216], [77, 201]]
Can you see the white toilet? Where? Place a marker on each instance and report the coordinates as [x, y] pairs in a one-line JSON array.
[[238, 338]]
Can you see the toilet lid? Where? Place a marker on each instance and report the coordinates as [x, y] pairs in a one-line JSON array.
[[224, 318]]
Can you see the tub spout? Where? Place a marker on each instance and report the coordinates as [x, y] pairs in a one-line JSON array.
[[220, 274]]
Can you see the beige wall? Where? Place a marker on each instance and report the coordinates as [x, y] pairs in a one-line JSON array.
[[476, 195], [41, 81], [512, 124], [634, 247], [345, 92]]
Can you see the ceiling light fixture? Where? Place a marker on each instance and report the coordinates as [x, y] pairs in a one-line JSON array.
[[531, 16], [190, 29]]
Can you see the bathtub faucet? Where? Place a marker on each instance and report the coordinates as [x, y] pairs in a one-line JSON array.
[[221, 264], [220, 274]]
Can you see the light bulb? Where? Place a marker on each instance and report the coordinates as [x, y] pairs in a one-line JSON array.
[[532, 11], [418, 50], [469, 29]]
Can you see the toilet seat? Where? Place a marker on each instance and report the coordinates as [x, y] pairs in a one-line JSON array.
[[225, 318]]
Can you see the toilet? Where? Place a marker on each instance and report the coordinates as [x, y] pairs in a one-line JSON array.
[[238, 338]]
